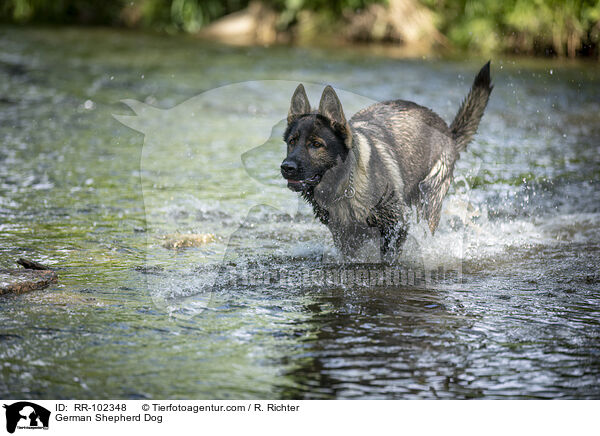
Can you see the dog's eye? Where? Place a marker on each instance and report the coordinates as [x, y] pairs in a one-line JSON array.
[[316, 144], [292, 141]]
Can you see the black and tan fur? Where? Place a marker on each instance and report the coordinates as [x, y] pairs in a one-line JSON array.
[[362, 176]]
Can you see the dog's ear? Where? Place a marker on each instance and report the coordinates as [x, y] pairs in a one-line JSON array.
[[330, 107], [299, 105]]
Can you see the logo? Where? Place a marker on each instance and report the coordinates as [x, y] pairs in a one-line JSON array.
[[26, 415]]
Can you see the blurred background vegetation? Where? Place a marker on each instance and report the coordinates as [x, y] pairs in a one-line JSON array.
[[567, 28]]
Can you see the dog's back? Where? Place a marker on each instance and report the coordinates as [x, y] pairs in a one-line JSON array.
[[413, 150], [406, 136]]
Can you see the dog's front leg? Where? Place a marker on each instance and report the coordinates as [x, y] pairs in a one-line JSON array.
[[390, 243]]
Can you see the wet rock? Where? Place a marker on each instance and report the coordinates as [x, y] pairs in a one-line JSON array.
[[4, 337], [149, 269], [32, 264], [19, 281]]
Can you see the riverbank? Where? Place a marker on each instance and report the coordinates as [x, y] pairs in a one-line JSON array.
[[413, 27]]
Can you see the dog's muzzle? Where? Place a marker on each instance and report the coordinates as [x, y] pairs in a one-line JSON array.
[[291, 172], [303, 185]]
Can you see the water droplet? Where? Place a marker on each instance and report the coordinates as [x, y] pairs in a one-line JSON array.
[[89, 105]]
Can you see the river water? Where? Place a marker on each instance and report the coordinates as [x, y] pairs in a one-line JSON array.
[[113, 141]]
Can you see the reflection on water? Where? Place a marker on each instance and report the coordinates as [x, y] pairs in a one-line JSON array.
[[131, 319]]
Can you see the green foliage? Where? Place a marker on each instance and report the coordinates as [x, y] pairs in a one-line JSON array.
[[183, 15], [186, 15], [336, 7], [561, 27], [548, 27], [61, 11]]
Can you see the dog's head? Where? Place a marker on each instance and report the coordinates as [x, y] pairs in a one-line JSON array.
[[316, 141]]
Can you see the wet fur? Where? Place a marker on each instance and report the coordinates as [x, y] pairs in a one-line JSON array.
[[394, 154]]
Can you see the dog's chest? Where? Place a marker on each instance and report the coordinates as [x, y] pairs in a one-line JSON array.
[[347, 213]]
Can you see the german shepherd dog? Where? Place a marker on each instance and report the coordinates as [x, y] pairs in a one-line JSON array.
[[362, 176]]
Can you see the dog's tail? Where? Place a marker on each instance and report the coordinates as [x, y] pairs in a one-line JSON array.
[[471, 110]]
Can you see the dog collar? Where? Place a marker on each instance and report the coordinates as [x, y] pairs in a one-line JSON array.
[[349, 191]]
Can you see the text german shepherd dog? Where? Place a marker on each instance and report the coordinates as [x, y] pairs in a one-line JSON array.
[[362, 176]]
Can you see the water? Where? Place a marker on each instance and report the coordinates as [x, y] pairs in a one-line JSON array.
[[518, 317]]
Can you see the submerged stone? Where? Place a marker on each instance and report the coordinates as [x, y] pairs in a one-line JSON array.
[[177, 241], [20, 281]]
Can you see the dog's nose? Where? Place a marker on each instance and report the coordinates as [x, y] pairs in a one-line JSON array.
[[289, 168]]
